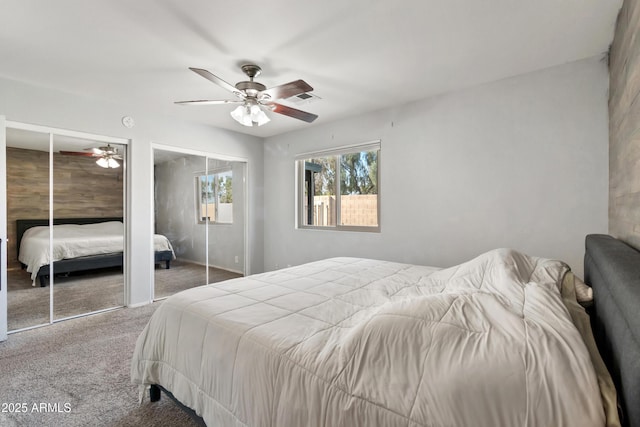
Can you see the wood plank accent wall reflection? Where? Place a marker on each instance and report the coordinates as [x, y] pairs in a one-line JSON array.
[[624, 126], [81, 189]]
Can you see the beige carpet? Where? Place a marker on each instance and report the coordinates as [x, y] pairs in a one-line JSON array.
[[92, 291], [83, 293], [184, 275], [78, 371]]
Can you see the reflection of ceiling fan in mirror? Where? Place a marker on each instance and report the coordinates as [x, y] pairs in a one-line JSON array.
[[107, 156], [255, 99]]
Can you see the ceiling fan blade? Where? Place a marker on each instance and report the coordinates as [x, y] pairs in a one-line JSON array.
[[217, 80], [292, 112], [287, 90], [117, 156], [208, 102], [76, 153]]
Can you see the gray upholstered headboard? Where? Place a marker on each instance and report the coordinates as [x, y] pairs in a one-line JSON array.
[[612, 268]]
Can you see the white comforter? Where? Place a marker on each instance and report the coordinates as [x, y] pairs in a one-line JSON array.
[[75, 240], [356, 342]]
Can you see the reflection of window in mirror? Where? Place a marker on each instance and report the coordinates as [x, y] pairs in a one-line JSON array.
[[215, 197]]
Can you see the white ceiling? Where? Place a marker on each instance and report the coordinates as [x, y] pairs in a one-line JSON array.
[[359, 55]]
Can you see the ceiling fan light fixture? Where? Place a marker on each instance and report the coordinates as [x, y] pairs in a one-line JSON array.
[[107, 162], [258, 116], [242, 115], [255, 99], [250, 115]]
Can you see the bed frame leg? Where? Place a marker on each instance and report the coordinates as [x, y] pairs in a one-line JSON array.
[[154, 393], [43, 281], [168, 264]]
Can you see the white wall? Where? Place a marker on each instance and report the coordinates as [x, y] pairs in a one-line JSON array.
[[30, 104], [518, 163]]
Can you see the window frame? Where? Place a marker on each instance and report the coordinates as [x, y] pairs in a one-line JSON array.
[[198, 208], [300, 160]]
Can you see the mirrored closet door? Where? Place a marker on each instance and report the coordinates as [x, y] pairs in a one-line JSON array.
[[28, 170], [175, 222], [65, 223], [226, 222], [88, 211], [199, 209]]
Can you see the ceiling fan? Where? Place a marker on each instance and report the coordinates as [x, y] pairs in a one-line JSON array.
[[254, 98], [107, 156]]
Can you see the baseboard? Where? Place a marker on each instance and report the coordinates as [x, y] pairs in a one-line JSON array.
[[139, 304], [213, 266]]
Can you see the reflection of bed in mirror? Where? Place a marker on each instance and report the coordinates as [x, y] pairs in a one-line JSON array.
[[79, 244]]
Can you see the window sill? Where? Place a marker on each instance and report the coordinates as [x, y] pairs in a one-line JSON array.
[[348, 228]]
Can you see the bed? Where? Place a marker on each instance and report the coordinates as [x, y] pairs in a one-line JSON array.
[[360, 342], [612, 269], [80, 244]]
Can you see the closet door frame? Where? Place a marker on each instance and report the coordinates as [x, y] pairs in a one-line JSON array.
[[206, 155], [3, 230], [52, 132]]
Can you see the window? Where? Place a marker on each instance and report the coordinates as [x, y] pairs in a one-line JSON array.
[[215, 197], [338, 189]]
